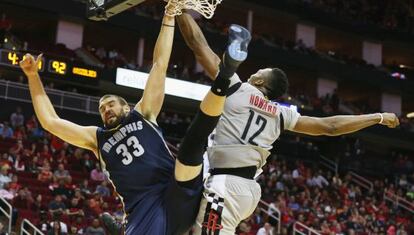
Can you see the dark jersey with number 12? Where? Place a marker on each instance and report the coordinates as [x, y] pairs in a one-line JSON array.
[[139, 164]]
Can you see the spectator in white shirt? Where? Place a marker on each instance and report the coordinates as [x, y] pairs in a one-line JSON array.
[[4, 177], [295, 173], [265, 230], [320, 181]]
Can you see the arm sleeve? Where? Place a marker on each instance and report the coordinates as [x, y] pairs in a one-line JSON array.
[[290, 117]]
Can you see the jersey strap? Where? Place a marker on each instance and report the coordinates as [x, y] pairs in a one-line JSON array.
[[233, 89]]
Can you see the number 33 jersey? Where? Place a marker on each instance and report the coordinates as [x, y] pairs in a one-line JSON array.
[[248, 127], [136, 157]]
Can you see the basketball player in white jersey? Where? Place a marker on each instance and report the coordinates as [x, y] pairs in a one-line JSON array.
[[249, 125]]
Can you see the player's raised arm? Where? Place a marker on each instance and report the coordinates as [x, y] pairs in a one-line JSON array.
[[70, 132], [151, 102], [195, 39], [343, 124]]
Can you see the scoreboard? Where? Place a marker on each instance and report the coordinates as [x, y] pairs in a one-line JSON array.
[[57, 68]]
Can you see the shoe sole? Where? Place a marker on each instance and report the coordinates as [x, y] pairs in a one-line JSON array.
[[235, 52]]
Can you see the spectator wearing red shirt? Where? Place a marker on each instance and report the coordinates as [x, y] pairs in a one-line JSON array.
[[56, 143], [45, 174], [74, 209], [45, 154], [78, 195], [336, 227], [391, 230], [24, 199], [95, 204], [14, 186], [18, 148], [80, 224], [31, 123], [19, 133]]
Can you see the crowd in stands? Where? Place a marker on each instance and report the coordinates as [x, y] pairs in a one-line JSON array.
[[63, 190], [60, 188], [324, 201], [388, 14]]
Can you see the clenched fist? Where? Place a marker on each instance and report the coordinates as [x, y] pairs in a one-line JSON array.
[[29, 65], [390, 120]]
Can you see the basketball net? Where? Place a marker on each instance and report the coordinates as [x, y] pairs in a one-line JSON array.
[[204, 7]]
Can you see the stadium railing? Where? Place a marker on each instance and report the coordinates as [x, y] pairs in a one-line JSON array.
[[299, 228], [399, 201], [361, 181], [331, 165], [60, 99], [27, 228], [7, 210], [264, 207]]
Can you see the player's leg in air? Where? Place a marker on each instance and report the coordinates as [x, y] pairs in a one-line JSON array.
[[185, 196]]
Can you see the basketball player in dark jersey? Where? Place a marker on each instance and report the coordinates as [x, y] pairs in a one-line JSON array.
[[161, 195]]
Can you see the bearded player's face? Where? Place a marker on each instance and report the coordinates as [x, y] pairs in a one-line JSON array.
[[111, 111]]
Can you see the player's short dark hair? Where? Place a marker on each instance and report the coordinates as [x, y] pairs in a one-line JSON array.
[[278, 84], [121, 100]]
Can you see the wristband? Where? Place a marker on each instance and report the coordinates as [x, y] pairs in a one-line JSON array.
[[382, 118], [167, 25]]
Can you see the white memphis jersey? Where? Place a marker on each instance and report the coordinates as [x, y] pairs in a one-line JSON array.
[[248, 127]]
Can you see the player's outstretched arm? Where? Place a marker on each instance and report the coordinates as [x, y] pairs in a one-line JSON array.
[[194, 38], [84, 137], [343, 124], [151, 102]]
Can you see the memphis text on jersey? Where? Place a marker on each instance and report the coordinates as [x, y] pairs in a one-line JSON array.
[[121, 134], [263, 104]]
